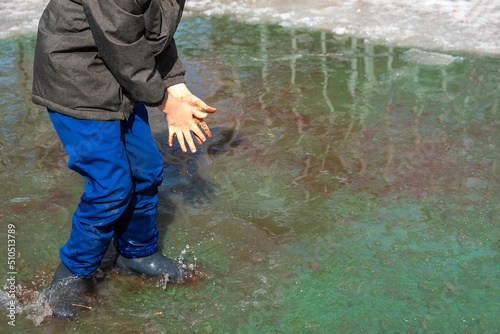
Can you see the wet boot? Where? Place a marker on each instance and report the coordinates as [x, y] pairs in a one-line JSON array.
[[176, 271], [66, 296]]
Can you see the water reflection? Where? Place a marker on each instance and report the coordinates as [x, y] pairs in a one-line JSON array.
[[408, 106], [348, 186]]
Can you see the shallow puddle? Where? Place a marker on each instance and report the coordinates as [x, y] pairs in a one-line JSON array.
[[348, 188]]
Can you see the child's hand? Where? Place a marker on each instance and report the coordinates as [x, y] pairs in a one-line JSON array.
[[184, 117]]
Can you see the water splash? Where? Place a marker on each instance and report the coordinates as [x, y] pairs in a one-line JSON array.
[[28, 302], [192, 272]]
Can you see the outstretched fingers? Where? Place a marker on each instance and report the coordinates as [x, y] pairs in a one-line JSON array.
[[201, 123], [197, 132], [198, 140], [174, 132], [205, 107], [189, 140], [199, 103], [184, 136]]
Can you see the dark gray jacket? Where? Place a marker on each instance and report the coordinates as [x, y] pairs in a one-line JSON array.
[[95, 58]]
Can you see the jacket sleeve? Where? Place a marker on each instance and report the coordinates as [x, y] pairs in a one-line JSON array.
[[170, 66], [117, 27]]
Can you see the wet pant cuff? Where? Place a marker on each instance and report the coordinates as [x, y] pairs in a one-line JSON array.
[[78, 271], [134, 255]]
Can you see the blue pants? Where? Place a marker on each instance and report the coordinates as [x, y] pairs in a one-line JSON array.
[[123, 169]]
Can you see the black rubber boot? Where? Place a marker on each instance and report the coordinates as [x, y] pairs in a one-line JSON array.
[[156, 264], [66, 296]]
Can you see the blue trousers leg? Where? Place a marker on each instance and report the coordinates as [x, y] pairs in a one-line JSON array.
[[146, 165], [123, 169]]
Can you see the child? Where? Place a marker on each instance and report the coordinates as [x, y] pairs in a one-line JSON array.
[[97, 64]]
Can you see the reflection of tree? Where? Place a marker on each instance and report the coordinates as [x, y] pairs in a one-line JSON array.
[[424, 126], [399, 123]]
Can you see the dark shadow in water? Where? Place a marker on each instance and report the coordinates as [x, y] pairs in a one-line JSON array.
[[228, 140], [181, 170], [181, 177]]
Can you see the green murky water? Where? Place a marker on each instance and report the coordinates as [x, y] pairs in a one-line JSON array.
[[348, 188]]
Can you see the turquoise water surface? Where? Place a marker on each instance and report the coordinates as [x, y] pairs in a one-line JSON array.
[[348, 188]]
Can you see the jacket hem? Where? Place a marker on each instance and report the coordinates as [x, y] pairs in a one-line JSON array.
[[94, 115]]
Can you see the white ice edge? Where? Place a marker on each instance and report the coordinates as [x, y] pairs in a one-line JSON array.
[[463, 25]]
